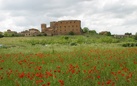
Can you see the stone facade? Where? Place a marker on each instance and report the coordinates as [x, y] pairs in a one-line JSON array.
[[63, 27], [30, 32], [123, 36], [9, 31]]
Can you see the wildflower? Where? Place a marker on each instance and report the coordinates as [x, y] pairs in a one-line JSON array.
[[84, 71], [129, 76], [48, 83], [39, 81], [1, 68], [73, 71], [21, 75], [113, 84], [1, 77], [59, 71], [113, 73], [61, 82], [40, 75], [108, 82], [49, 74], [98, 77], [123, 74], [2, 61], [58, 67], [98, 83]]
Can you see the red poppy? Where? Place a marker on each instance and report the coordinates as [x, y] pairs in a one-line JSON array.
[[39, 81], [61, 82], [21, 75]]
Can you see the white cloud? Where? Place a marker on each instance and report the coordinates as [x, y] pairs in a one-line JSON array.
[[117, 16]]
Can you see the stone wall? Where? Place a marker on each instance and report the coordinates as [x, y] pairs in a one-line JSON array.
[[63, 27]]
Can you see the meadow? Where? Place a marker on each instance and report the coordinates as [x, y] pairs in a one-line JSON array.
[[67, 61]]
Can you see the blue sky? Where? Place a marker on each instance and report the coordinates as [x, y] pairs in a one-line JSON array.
[[117, 16]]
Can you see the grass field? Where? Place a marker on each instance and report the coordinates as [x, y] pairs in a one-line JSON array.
[[66, 61]]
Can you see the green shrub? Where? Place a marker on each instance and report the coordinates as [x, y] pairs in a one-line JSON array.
[[66, 37], [33, 42], [71, 33], [73, 44], [129, 44]]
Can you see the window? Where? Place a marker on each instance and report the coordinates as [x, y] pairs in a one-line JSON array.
[[65, 26]]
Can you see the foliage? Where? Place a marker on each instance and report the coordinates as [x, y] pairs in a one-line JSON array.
[[10, 34], [128, 39], [135, 37], [1, 36], [107, 33], [80, 67], [128, 33], [92, 32], [73, 44], [71, 33], [43, 34], [85, 30], [129, 44], [106, 39], [66, 37]]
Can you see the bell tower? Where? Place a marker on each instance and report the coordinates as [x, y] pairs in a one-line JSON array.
[[43, 28]]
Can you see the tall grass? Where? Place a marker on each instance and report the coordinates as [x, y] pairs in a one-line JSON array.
[[66, 61], [80, 67]]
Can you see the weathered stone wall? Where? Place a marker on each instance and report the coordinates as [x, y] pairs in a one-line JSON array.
[[63, 27], [43, 28]]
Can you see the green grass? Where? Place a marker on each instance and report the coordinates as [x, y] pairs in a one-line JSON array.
[[84, 67], [55, 43], [54, 61]]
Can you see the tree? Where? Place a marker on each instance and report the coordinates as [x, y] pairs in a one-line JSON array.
[[128, 33], [92, 32], [135, 37], [107, 33], [10, 34], [85, 30], [1, 34]]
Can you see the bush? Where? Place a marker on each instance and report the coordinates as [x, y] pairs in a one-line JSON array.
[[1, 36], [73, 44], [129, 45], [108, 40], [71, 33], [66, 37], [135, 37], [33, 42]]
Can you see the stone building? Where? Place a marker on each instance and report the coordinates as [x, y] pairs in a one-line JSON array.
[[63, 27], [123, 36], [30, 32], [105, 33], [10, 33]]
